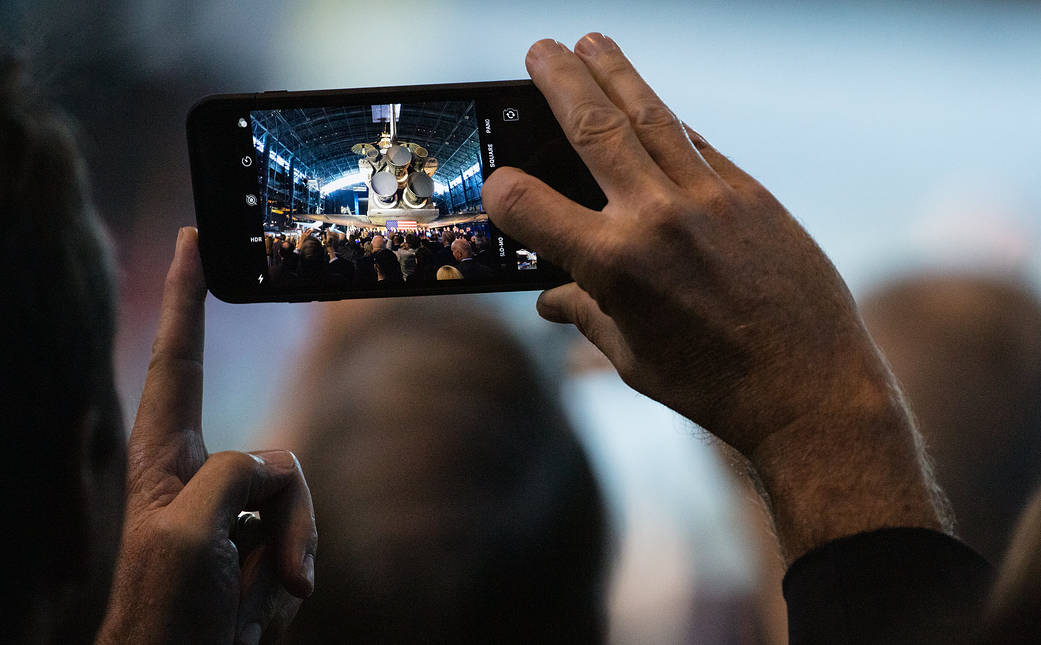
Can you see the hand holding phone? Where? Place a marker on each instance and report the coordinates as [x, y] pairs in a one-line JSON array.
[[708, 296]]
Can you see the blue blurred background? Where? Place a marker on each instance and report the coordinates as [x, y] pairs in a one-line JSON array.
[[906, 137]]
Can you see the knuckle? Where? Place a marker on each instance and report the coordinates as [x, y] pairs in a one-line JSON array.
[[181, 537], [665, 213], [614, 65], [714, 198], [592, 123], [652, 114], [233, 462]]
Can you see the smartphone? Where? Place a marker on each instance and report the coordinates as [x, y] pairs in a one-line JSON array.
[[374, 192]]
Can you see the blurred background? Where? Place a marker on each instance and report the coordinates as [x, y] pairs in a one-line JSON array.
[[906, 137]]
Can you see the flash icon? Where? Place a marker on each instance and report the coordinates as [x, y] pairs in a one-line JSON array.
[[260, 278]]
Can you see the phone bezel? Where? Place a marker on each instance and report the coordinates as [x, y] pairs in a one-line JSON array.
[[208, 134]]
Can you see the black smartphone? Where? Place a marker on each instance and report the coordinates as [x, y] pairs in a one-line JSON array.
[[372, 192]]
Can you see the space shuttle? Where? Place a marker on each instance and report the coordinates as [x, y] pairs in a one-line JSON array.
[[399, 177]]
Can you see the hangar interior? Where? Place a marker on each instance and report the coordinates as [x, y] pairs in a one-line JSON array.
[[307, 166]]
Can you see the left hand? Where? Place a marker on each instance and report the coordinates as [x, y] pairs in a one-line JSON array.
[[191, 570]]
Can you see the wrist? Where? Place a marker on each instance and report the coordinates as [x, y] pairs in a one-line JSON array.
[[845, 468]]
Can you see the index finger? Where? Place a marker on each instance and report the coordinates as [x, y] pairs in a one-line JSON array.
[[599, 131], [167, 433]]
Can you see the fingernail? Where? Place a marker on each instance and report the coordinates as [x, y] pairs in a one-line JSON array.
[[250, 634], [545, 48], [595, 43], [545, 309], [307, 571], [280, 459]]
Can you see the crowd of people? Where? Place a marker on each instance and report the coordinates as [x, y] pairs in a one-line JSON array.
[[709, 298], [369, 258]]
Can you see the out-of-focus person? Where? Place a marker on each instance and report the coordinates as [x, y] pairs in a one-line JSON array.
[[1014, 611], [465, 511], [967, 350], [169, 548]]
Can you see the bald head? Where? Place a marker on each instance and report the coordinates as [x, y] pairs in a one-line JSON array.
[[461, 249], [378, 243]]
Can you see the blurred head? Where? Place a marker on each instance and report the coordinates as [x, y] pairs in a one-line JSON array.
[[412, 240], [447, 237], [387, 266], [480, 526], [967, 350], [449, 272], [63, 487], [378, 243], [461, 249]]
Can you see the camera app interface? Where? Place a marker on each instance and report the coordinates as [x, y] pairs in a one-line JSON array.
[[375, 197]]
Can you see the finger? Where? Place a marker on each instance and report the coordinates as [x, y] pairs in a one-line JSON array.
[[569, 303], [723, 167], [167, 434], [289, 518], [270, 482], [528, 210], [656, 126], [265, 607], [600, 132]]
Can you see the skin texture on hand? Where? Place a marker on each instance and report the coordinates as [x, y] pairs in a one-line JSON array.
[[708, 296], [191, 570]]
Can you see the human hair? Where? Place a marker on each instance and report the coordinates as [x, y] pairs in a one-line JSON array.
[[482, 525], [412, 240], [60, 408], [449, 272], [388, 265]]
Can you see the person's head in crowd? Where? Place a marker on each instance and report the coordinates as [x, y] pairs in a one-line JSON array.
[[399, 239], [63, 487], [388, 268], [461, 249], [449, 272], [968, 352], [486, 526], [447, 237], [312, 256], [378, 243], [334, 244], [412, 241], [366, 248]]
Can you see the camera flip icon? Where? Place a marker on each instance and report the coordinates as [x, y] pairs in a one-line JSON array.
[[510, 114]]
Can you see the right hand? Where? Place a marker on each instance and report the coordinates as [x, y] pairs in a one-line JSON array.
[[707, 295], [695, 282]]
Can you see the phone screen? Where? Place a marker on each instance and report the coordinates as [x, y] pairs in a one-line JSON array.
[[377, 192]]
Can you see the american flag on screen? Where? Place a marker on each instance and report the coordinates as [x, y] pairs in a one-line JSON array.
[[404, 224]]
